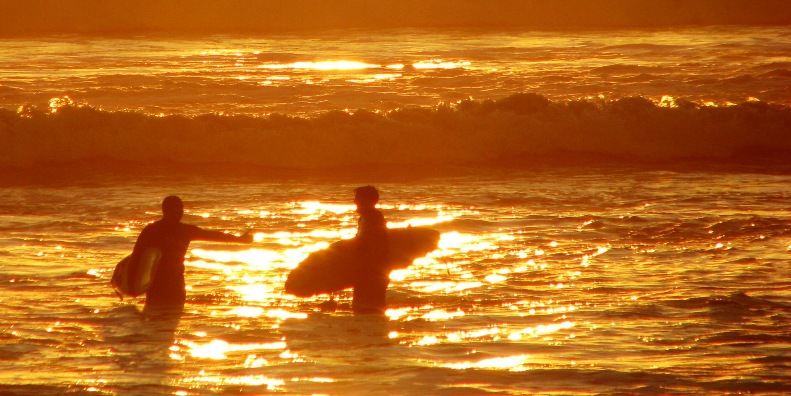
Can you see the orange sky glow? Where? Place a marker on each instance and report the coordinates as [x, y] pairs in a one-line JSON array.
[[248, 16]]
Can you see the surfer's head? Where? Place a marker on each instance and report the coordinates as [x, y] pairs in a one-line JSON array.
[[172, 208], [366, 196]]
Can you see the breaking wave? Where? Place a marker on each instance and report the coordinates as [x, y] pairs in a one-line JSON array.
[[521, 130]]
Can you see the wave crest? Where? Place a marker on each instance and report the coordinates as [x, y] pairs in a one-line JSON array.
[[522, 129]]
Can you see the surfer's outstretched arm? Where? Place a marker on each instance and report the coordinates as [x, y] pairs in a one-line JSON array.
[[219, 236]]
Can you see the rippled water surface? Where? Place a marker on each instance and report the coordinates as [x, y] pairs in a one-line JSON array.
[[546, 282], [389, 69]]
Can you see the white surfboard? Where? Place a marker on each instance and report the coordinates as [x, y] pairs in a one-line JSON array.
[[132, 278]]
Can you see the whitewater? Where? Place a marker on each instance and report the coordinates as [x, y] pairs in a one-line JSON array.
[[613, 204]]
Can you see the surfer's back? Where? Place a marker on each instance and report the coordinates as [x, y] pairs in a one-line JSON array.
[[371, 276]]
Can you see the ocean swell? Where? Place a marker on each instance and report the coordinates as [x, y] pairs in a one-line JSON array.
[[520, 130]]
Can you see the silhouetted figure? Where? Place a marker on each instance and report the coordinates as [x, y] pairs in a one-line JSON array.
[[372, 275], [172, 238]]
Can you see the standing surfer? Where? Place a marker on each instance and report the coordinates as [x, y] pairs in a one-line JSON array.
[[372, 274], [172, 238]]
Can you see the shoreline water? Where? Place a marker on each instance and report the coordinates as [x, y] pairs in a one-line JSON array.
[[97, 172], [563, 281]]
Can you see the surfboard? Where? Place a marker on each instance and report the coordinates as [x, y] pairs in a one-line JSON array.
[[132, 278], [332, 269]]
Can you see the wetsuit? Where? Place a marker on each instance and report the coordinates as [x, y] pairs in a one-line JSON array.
[[172, 239], [372, 275]]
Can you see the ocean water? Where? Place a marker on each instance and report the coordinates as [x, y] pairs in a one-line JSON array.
[[604, 281], [356, 98], [383, 70], [614, 209]]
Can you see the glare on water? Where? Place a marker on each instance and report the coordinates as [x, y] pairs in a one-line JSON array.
[[646, 274], [392, 69]]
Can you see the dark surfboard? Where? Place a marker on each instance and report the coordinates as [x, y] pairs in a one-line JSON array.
[[332, 269]]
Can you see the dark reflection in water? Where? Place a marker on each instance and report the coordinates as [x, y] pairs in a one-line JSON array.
[[141, 342]]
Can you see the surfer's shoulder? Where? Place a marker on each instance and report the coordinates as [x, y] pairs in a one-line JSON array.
[[190, 229]]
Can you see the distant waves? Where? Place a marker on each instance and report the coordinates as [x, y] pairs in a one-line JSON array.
[[522, 130]]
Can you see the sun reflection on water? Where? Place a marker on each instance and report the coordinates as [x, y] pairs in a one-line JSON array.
[[489, 333], [252, 271], [511, 363], [325, 65], [464, 243], [444, 286], [540, 330], [257, 259], [259, 290], [283, 314], [250, 380], [454, 269], [439, 64], [314, 207], [246, 312], [271, 384], [218, 349], [495, 278]]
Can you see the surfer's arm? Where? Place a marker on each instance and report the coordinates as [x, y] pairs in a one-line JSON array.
[[219, 236]]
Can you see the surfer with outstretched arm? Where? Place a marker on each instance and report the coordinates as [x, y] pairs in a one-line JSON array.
[[371, 275], [172, 238]]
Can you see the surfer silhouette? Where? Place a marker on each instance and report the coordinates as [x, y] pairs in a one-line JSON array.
[[172, 238], [372, 275]]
